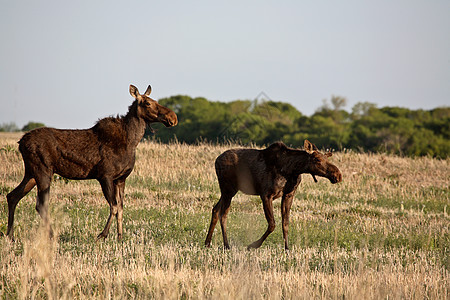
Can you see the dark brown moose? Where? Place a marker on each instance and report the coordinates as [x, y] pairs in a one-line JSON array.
[[105, 152], [270, 173]]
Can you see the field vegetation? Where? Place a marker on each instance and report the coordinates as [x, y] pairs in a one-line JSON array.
[[381, 233]]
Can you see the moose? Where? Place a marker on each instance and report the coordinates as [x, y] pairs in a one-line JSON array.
[[105, 152], [270, 173]]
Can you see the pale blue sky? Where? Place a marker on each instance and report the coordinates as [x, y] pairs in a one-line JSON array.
[[69, 63]]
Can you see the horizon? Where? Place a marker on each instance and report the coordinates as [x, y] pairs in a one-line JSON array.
[[346, 108]]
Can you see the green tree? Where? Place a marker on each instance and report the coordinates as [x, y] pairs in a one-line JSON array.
[[368, 128], [361, 109], [32, 125], [198, 119]]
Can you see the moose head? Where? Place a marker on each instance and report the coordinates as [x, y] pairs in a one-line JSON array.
[[150, 110], [319, 165]]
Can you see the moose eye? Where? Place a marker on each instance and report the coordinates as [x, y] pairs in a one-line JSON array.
[[316, 159]]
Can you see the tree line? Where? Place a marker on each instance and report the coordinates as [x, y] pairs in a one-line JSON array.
[[366, 128], [12, 127]]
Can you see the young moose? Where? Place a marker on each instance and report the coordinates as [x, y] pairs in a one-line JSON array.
[[270, 173], [105, 152]]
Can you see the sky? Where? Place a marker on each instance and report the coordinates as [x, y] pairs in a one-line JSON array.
[[69, 63]]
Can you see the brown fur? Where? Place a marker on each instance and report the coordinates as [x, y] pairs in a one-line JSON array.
[[270, 173], [105, 152]]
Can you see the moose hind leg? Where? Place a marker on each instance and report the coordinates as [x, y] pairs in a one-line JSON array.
[[224, 208], [225, 197], [43, 184], [42, 208], [268, 212], [212, 225], [14, 197]]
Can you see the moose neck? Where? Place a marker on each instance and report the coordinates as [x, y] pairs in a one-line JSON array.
[[296, 162], [134, 126]]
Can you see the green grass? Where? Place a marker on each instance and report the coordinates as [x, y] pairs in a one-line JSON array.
[[376, 235], [82, 222]]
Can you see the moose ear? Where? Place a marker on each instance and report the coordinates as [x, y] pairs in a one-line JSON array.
[[309, 147], [148, 91], [134, 91]]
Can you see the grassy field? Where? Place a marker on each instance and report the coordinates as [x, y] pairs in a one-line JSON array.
[[381, 233]]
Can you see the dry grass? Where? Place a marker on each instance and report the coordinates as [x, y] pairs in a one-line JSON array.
[[382, 233]]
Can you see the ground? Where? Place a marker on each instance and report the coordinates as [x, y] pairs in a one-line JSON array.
[[382, 232]]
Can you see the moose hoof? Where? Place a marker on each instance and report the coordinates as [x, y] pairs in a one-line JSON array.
[[51, 235], [254, 245], [11, 238], [101, 236]]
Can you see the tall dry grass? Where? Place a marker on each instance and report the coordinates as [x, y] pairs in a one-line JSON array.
[[382, 233]]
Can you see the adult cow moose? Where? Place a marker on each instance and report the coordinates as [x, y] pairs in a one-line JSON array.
[[105, 152], [270, 173]]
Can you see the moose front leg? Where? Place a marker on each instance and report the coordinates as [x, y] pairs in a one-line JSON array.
[[286, 203], [268, 212], [119, 188], [109, 191]]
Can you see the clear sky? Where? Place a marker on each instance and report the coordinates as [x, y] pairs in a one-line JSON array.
[[69, 63]]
